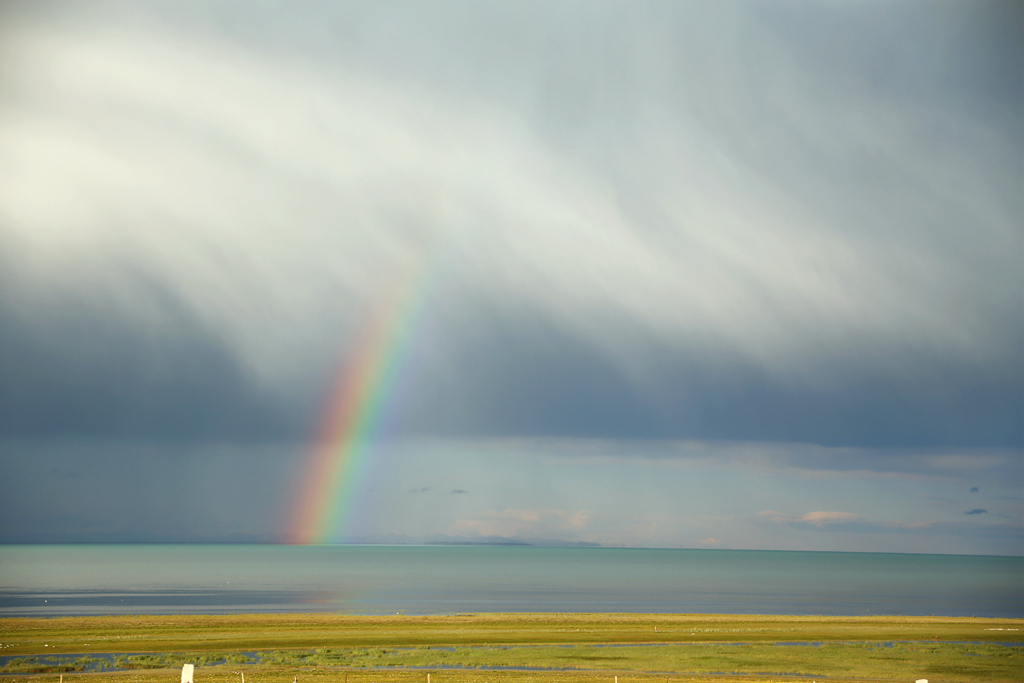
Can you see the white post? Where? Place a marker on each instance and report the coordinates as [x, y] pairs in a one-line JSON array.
[[186, 673]]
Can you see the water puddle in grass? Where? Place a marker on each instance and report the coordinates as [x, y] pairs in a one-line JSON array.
[[99, 662]]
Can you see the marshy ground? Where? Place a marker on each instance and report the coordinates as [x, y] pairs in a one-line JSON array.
[[495, 648]]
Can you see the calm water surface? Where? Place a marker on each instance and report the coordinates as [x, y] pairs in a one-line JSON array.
[[210, 579]]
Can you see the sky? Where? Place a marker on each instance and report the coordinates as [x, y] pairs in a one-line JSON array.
[[704, 274]]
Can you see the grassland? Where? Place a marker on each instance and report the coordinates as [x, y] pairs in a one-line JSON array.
[[547, 648]]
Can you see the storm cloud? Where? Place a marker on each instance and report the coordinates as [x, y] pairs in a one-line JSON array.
[[731, 237], [684, 223]]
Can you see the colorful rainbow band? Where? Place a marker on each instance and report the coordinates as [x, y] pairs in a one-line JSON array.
[[355, 416]]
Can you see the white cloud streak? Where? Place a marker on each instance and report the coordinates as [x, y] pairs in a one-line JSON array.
[[273, 200]]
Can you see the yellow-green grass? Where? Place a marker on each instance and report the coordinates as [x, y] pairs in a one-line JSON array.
[[318, 647], [261, 676]]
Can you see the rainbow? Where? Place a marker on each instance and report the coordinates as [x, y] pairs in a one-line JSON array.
[[354, 420]]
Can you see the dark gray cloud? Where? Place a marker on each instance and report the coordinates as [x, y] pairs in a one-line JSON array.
[[95, 376], [523, 381], [977, 511], [994, 465], [78, 371], [101, 491]]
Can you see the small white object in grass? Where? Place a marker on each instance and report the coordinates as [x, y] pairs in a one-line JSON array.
[[922, 680], [186, 673]]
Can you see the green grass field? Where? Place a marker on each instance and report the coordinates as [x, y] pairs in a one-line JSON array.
[[543, 647]]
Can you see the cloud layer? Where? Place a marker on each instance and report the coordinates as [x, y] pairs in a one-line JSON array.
[[650, 215], [568, 491], [642, 243]]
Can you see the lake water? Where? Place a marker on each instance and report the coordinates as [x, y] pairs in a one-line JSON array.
[[209, 579]]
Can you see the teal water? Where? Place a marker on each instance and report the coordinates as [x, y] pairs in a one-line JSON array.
[[40, 580]]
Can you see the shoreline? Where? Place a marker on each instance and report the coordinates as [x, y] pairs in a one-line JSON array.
[[166, 633]]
